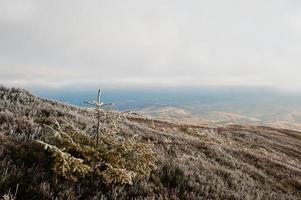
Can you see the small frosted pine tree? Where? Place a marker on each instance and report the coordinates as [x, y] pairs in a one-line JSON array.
[[115, 160]]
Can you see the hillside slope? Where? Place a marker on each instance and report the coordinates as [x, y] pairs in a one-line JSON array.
[[194, 161], [274, 114]]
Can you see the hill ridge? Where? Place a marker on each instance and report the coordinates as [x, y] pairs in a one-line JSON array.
[[195, 161]]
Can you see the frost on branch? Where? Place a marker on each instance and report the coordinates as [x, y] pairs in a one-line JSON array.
[[115, 160]]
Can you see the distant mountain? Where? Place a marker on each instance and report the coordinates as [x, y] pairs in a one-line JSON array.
[[224, 105], [196, 159], [280, 117]]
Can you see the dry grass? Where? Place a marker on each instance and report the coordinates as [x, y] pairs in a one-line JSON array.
[[195, 162]]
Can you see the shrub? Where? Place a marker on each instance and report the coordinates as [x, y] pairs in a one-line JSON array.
[[115, 160]]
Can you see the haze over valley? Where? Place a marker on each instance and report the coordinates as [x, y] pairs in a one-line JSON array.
[[220, 105]]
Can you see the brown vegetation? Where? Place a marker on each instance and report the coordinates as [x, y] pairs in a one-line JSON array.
[[194, 162]]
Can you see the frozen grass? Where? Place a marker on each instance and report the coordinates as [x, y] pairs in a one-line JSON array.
[[194, 162]]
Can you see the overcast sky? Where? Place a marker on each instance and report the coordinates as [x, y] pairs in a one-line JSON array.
[[120, 43]]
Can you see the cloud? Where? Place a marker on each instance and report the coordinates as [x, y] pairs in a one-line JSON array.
[[155, 43], [16, 11]]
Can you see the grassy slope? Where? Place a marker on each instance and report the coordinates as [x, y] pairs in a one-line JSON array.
[[195, 162]]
